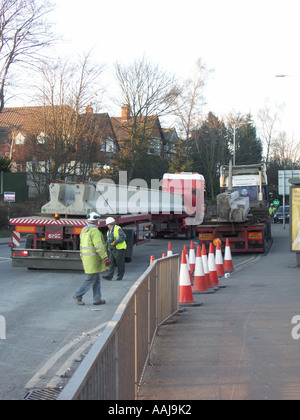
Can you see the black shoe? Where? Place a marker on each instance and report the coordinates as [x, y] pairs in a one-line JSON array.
[[106, 278], [101, 302], [119, 279]]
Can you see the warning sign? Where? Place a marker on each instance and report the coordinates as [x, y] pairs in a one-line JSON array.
[[9, 197]]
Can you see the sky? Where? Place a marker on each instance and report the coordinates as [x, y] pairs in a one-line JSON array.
[[246, 43]]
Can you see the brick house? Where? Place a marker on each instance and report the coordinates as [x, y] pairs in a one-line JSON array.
[[38, 134], [159, 141], [47, 134]]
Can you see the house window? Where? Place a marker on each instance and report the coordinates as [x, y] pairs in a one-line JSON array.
[[108, 145], [155, 147], [41, 138], [20, 138]]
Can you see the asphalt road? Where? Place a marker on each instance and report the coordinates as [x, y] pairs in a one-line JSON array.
[[47, 334]]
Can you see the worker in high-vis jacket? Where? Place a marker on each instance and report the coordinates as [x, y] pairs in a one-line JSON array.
[[94, 259], [116, 245]]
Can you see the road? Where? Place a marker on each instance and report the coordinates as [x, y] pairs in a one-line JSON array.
[[47, 334]]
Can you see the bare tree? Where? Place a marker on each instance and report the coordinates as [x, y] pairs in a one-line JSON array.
[[70, 136], [268, 118], [149, 93], [190, 101], [286, 151], [24, 32]]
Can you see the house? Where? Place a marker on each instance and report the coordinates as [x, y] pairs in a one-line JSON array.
[[55, 138], [156, 140], [99, 138], [19, 127], [47, 134]]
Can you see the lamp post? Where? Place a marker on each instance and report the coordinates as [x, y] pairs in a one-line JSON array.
[[286, 75]]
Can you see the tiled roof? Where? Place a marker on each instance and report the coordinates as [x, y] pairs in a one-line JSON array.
[[122, 127], [21, 118]]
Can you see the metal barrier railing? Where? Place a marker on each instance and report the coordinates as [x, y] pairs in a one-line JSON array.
[[114, 367]]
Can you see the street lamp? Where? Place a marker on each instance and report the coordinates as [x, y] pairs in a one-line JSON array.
[[286, 75], [234, 125]]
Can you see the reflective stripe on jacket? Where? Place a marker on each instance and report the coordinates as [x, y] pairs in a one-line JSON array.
[[93, 250]]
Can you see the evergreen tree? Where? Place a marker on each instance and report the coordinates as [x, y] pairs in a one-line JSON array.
[[182, 161], [210, 151], [248, 147], [5, 164]]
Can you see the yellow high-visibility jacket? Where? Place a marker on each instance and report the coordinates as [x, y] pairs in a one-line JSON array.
[[118, 237], [93, 250], [272, 211]]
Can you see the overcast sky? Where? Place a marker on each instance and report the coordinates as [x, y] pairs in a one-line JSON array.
[[246, 43]]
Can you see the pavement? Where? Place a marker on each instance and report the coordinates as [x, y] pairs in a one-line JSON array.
[[241, 343]]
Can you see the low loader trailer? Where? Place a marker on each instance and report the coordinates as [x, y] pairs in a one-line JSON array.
[[52, 239], [54, 243]]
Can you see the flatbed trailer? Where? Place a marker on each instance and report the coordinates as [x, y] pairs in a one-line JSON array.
[[242, 237], [53, 237], [54, 243]]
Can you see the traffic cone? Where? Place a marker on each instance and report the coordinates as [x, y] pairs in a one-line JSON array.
[[188, 262], [219, 261], [200, 285], [170, 251], [152, 258], [205, 266], [164, 255], [185, 288], [228, 266], [192, 258], [212, 266]]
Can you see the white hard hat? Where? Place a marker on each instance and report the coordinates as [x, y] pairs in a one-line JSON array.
[[92, 217], [110, 221]]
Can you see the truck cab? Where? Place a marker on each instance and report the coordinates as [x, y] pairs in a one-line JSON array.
[[250, 180]]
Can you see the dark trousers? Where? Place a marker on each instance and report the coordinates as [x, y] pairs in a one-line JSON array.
[[117, 258]]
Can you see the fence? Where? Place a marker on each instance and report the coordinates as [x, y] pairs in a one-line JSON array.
[[114, 367]]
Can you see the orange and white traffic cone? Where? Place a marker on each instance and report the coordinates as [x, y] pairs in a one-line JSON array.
[[164, 255], [228, 265], [188, 262], [185, 288], [170, 251], [205, 266], [192, 258], [200, 285], [152, 258], [219, 261], [212, 266]]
